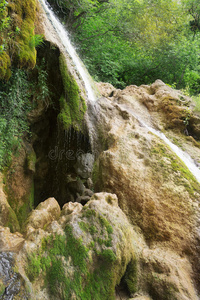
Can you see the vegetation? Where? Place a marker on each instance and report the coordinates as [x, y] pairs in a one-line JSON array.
[[135, 41], [160, 152], [17, 37], [17, 97], [14, 105], [84, 283], [72, 105]]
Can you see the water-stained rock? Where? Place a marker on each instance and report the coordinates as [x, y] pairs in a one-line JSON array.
[[84, 165], [7, 215], [12, 285]]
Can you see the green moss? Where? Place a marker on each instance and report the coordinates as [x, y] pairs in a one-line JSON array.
[[89, 212], [93, 229], [88, 227], [84, 226], [31, 161], [64, 117], [5, 66], [130, 276], [108, 255], [176, 167], [96, 176], [72, 104], [85, 284], [26, 11], [25, 209], [104, 222], [12, 221], [2, 288], [16, 39], [18, 214]]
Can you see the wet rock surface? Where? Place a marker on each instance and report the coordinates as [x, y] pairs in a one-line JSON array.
[[11, 282], [84, 165]]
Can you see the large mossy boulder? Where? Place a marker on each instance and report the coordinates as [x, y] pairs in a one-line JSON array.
[[83, 254]]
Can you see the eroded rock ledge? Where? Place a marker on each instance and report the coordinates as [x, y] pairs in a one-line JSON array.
[[93, 252]]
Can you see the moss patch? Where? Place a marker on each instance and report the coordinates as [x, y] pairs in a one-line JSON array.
[[25, 209], [130, 276], [17, 40], [2, 287], [12, 221], [74, 268], [72, 105], [183, 176], [18, 213]]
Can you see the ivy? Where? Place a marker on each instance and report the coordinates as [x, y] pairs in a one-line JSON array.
[[15, 102]]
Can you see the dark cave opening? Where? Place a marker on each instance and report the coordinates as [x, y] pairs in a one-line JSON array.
[[63, 157], [56, 173]]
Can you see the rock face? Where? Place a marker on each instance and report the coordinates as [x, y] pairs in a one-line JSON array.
[[92, 252], [81, 254], [7, 215], [142, 242], [84, 165], [154, 188]]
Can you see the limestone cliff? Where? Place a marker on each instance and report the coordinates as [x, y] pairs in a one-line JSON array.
[[96, 205]]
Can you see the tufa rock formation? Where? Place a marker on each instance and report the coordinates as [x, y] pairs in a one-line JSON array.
[[129, 232]]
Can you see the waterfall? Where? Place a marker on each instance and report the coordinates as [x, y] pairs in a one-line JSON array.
[[64, 37], [185, 157]]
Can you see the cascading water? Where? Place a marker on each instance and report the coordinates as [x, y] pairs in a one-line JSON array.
[[64, 37], [185, 157]]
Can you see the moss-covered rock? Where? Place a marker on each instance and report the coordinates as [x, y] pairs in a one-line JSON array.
[[19, 185], [84, 254], [72, 104], [8, 217], [18, 39]]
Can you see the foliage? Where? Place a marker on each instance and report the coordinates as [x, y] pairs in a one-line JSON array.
[[15, 102], [14, 106], [4, 19], [135, 42], [197, 102], [17, 37], [36, 40]]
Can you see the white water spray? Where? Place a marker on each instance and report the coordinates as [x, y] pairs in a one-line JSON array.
[[64, 37], [185, 157]]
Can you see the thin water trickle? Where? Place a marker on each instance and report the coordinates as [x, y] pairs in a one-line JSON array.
[[64, 37], [185, 157]]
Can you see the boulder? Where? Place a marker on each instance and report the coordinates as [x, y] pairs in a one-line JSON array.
[[10, 241], [87, 246], [45, 213], [84, 165]]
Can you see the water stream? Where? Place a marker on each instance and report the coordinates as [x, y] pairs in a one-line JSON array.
[[64, 37], [185, 157]]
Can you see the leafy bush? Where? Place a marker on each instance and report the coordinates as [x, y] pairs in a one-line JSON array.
[[15, 103]]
